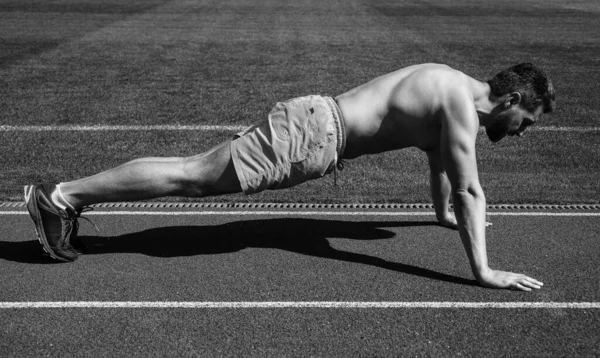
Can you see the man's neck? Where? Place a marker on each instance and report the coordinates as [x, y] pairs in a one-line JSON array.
[[484, 101]]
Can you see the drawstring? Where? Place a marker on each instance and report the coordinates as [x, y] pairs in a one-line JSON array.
[[341, 136], [335, 176], [339, 165]]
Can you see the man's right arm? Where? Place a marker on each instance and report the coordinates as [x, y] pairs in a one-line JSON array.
[[460, 126]]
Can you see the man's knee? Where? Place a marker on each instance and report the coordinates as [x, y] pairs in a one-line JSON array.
[[211, 174]]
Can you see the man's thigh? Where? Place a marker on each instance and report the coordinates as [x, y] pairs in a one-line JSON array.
[[214, 170]]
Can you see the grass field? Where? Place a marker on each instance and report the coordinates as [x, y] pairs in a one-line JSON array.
[[228, 62]]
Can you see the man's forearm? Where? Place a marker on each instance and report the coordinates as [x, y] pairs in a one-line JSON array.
[[469, 208], [440, 193]]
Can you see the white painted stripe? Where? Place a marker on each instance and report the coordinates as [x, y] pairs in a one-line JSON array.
[[223, 128], [243, 213], [299, 304], [541, 214], [311, 213], [77, 128], [564, 129]]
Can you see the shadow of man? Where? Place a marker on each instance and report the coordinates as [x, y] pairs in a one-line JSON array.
[[298, 235]]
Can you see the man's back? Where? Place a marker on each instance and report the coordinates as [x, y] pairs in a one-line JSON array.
[[398, 110]]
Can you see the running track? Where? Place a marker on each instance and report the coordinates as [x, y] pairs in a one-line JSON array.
[[299, 280]]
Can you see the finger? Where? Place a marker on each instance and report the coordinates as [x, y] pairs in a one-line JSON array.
[[530, 279], [537, 282], [534, 281], [520, 287], [528, 283]]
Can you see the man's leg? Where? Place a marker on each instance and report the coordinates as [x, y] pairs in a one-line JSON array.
[[209, 173], [55, 210]]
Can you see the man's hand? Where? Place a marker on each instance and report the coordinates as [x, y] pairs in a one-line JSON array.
[[449, 221], [513, 281]]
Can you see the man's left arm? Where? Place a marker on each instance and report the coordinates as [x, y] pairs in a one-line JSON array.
[[440, 190]]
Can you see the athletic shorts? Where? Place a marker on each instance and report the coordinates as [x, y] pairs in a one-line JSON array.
[[301, 139]]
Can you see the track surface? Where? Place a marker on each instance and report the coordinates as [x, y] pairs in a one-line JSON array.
[[290, 255]]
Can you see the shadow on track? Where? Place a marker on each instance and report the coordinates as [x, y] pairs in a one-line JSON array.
[[303, 236]]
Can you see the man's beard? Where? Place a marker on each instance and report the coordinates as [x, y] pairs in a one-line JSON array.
[[499, 128]]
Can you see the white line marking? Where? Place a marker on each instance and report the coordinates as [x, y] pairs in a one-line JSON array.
[[541, 214], [300, 304], [564, 129], [261, 213], [311, 213], [223, 128], [78, 128]]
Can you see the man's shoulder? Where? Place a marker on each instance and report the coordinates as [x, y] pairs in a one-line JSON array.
[[445, 77], [451, 85], [436, 70], [432, 78], [450, 94], [435, 84]]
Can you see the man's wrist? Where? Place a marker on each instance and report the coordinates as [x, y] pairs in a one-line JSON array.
[[483, 274], [441, 211]]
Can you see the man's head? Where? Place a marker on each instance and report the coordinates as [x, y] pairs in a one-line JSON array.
[[525, 93]]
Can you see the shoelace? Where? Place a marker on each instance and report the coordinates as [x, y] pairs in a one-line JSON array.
[[85, 210], [338, 166], [70, 224]]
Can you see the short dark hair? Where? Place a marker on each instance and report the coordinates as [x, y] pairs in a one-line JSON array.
[[530, 81]]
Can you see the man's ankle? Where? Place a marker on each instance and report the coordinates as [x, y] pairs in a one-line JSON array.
[[59, 199]]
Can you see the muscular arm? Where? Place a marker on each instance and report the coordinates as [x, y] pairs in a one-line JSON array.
[[459, 131], [440, 190]]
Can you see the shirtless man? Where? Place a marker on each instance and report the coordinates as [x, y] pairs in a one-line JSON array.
[[429, 106]]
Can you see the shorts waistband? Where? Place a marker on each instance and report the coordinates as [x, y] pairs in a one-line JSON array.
[[340, 125]]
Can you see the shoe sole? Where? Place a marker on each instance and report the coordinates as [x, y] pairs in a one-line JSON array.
[[34, 213]]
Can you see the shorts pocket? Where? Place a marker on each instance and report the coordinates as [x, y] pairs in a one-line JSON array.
[[302, 124], [278, 118]]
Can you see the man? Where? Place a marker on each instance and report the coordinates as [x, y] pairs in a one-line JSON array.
[[429, 106]]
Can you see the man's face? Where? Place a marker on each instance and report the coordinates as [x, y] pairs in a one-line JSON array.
[[512, 121]]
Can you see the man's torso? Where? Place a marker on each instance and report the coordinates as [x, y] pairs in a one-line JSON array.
[[398, 110]]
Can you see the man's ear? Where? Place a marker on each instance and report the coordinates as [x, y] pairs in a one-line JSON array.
[[512, 100]]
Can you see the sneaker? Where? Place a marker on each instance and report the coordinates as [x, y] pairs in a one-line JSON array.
[[55, 227]]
